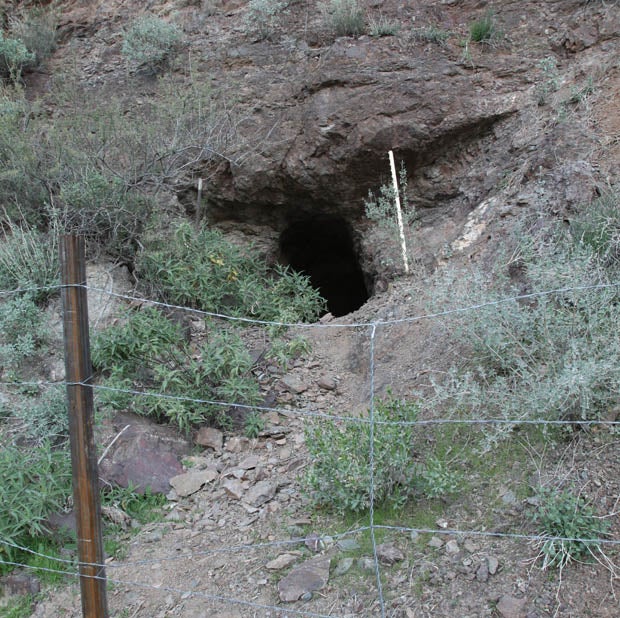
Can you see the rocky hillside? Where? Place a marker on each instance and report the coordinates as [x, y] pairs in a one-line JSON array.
[[506, 117]]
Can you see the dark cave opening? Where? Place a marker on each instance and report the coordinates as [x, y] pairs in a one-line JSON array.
[[323, 248]]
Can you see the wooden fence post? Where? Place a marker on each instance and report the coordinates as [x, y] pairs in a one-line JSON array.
[[78, 372]]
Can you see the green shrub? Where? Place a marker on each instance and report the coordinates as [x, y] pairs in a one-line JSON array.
[[21, 193], [32, 484], [484, 30], [569, 516], [340, 473], [23, 331], [149, 354], [143, 507], [202, 270], [110, 163], [150, 42], [37, 31], [431, 34], [598, 227], [30, 259], [45, 418], [14, 57], [263, 17], [381, 207], [551, 82], [344, 17]]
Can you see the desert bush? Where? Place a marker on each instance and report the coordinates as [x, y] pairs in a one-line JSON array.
[[570, 517], [33, 483], [150, 42], [263, 17], [45, 418], [598, 227], [344, 17], [485, 29], [431, 34], [148, 354], [37, 31], [98, 169], [549, 356], [201, 269], [14, 57], [382, 26], [105, 211], [29, 260], [21, 194], [23, 331], [381, 208], [339, 476]]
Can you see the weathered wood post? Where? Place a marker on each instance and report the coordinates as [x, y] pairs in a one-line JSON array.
[[78, 371]]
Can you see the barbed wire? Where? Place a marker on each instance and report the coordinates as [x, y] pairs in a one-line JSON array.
[[330, 324], [324, 415], [454, 532]]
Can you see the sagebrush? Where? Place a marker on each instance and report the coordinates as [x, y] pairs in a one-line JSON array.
[[552, 355], [150, 42]]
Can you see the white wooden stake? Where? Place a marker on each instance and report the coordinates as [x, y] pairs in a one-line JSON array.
[[399, 216]]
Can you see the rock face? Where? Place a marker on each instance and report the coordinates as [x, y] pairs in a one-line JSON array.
[[303, 580], [145, 455], [478, 126]]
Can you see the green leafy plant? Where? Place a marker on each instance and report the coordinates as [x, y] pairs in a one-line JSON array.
[[144, 507], [14, 57], [437, 479], [29, 259], [37, 31], [570, 517], [148, 354], [598, 227], [382, 26], [340, 473], [484, 30], [551, 79], [45, 418], [150, 42], [254, 424], [381, 208], [33, 482], [344, 17], [23, 332], [263, 17], [18, 607], [201, 269]]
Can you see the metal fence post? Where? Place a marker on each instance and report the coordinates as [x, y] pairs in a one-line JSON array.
[[78, 371]]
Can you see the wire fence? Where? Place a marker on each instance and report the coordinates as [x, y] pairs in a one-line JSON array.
[[370, 332]]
